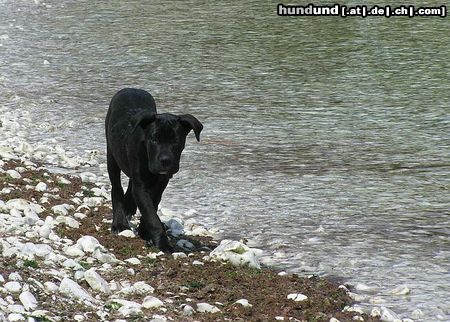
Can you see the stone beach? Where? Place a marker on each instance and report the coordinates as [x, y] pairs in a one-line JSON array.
[[59, 262]]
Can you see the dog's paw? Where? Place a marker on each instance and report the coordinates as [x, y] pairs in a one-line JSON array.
[[164, 245]]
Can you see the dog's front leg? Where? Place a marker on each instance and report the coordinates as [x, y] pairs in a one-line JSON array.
[[150, 227]]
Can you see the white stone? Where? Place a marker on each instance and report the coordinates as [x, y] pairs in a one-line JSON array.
[[128, 308], [334, 320], [297, 297], [93, 201], [13, 287], [88, 177], [63, 180], [96, 282], [151, 302], [365, 288], [19, 204], [197, 262], [179, 255], [127, 233], [28, 300], [51, 287], [400, 290], [243, 302], [142, 288], [15, 317], [71, 288], [207, 308], [13, 174], [188, 310], [389, 315], [417, 314], [74, 251], [62, 210], [279, 318], [88, 244], [15, 276], [133, 261], [41, 186], [375, 312], [237, 253], [158, 318], [78, 317], [44, 231]]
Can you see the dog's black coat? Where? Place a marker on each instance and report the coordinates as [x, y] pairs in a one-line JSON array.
[[147, 147]]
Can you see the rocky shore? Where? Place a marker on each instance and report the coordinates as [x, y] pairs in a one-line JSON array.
[[59, 261]]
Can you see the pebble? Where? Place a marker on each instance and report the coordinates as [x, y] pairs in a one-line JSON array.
[[127, 233], [96, 282], [389, 315], [28, 300], [88, 244], [151, 302], [142, 288], [51, 287], [179, 255], [243, 302], [297, 297], [400, 290], [15, 317], [13, 174], [236, 253], [72, 289], [41, 186], [133, 261], [196, 262], [13, 287], [74, 251], [207, 308], [187, 309]]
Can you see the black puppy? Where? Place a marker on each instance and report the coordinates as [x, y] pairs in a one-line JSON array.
[[147, 147]]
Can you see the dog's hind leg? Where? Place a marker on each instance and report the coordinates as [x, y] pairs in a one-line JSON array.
[[120, 220], [130, 204]]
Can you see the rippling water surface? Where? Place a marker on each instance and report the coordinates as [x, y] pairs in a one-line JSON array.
[[326, 140]]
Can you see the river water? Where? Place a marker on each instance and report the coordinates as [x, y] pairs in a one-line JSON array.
[[326, 140]]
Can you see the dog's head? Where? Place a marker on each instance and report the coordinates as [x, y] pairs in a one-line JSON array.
[[164, 136]]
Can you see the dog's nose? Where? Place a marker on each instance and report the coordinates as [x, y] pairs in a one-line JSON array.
[[165, 161]]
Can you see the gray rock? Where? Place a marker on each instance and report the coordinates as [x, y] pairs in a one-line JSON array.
[[71, 289], [207, 308], [96, 282]]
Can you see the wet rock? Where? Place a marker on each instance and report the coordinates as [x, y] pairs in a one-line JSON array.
[[236, 253], [71, 288], [389, 315], [96, 282], [400, 290], [28, 300], [151, 302], [183, 243], [417, 314], [297, 297], [207, 308]]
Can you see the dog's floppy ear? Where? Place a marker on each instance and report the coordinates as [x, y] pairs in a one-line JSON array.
[[191, 123], [142, 119]]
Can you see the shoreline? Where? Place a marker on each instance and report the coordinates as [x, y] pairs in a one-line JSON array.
[[16, 148]]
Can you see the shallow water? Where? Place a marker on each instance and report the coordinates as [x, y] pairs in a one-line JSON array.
[[326, 140]]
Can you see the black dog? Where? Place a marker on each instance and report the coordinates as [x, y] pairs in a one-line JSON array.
[[147, 147]]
